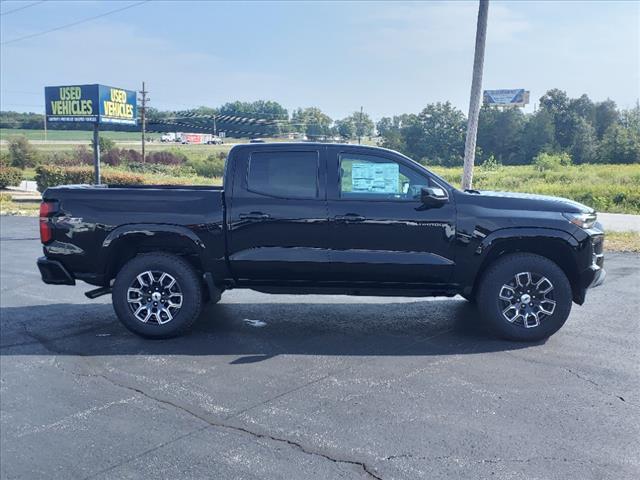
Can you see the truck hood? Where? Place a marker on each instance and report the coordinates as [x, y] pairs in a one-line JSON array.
[[527, 201]]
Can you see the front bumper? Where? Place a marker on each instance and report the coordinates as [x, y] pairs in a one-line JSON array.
[[54, 273], [595, 275]]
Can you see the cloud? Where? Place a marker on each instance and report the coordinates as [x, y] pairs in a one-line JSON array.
[[433, 28], [119, 54]]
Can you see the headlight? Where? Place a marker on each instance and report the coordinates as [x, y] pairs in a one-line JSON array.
[[582, 220]]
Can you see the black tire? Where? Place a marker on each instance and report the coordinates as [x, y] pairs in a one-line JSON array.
[[187, 284], [500, 279]]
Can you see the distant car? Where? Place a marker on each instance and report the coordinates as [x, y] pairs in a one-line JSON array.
[[256, 140], [215, 141]]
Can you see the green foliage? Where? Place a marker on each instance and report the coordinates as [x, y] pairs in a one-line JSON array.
[[500, 133], [607, 188], [437, 135], [355, 125], [311, 121], [106, 144], [491, 164], [10, 177], [22, 154], [51, 176], [212, 166], [551, 161], [620, 145]]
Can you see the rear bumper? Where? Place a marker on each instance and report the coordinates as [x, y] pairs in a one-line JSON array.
[[54, 273]]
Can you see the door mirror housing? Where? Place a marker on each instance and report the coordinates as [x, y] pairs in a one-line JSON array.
[[433, 196]]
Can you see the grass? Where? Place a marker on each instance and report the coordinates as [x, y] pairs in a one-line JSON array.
[[622, 242], [607, 188], [71, 135]]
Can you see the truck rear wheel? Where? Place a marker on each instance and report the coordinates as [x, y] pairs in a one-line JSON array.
[[157, 295], [524, 297]]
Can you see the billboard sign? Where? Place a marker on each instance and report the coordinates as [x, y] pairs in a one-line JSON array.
[[91, 103], [516, 97]]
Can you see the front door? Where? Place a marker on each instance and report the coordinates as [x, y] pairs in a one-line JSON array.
[[380, 230], [278, 215]]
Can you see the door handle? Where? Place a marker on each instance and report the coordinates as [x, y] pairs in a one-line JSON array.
[[254, 216], [349, 217]]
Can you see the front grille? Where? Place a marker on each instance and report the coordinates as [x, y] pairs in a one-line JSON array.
[[598, 248]]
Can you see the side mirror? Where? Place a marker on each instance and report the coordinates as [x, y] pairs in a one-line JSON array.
[[433, 196]]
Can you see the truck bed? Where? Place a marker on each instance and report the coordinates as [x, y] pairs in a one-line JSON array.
[[93, 219]]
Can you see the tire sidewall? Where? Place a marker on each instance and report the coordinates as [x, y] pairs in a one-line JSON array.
[[501, 273], [187, 281]]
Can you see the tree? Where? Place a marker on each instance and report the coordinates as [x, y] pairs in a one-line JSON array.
[[22, 153], [106, 144], [538, 135], [354, 126], [620, 145], [436, 135], [500, 134], [312, 121], [606, 114], [583, 108], [584, 146], [392, 130], [269, 117], [556, 102]]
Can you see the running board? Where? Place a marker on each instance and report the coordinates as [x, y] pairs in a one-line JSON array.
[[98, 292]]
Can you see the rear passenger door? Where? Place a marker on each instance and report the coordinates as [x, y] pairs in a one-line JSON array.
[[277, 216]]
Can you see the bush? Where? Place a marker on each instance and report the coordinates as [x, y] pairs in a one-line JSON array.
[[551, 161], [10, 177], [5, 160], [117, 156], [82, 155], [51, 176], [167, 157], [106, 144], [212, 166], [22, 154]]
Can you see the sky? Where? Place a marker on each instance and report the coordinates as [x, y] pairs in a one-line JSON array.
[[389, 57]]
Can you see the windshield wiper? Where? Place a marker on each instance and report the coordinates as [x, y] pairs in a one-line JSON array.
[[471, 190]]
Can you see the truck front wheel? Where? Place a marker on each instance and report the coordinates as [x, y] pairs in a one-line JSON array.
[[524, 297], [157, 295]]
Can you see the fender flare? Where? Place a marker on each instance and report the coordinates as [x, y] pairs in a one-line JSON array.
[[122, 233]]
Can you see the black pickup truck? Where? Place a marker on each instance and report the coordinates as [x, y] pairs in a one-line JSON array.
[[322, 218]]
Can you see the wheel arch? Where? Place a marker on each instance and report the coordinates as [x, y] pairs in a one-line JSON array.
[[557, 246], [125, 242]]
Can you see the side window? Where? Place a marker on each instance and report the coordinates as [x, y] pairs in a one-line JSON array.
[[370, 176], [284, 174]]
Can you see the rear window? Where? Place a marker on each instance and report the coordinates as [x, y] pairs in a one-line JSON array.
[[284, 174]]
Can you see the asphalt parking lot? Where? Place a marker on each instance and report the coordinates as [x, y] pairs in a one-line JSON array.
[[300, 387]]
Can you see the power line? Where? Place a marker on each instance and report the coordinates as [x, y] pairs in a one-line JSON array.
[[73, 24], [21, 8]]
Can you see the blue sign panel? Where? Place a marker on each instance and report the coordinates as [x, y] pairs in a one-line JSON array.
[[91, 103]]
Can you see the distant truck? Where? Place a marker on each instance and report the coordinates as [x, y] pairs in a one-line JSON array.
[[191, 138]]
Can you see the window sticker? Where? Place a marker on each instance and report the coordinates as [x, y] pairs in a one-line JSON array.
[[375, 177]]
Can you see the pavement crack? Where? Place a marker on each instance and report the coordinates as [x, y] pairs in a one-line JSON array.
[[597, 386], [212, 423]]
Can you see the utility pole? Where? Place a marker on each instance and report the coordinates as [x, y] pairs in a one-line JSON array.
[[360, 126], [476, 95], [143, 107]]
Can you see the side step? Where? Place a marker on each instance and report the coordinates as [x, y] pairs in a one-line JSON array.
[[98, 292]]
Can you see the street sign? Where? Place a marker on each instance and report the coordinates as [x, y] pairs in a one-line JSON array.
[[516, 97], [91, 103]]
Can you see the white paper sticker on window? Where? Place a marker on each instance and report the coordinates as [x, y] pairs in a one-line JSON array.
[[375, 177]]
